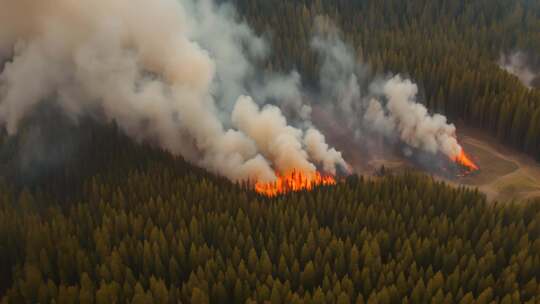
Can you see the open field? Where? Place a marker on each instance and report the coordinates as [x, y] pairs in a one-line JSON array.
[[505, 174]]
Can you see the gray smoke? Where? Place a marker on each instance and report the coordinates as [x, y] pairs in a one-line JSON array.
[[339, 72], [517, 64], [165, 70], [374, 105]]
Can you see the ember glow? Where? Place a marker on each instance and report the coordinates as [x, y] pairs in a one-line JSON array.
[[465, 161], [294, 181]]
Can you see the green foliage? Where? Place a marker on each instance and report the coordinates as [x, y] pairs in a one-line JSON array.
[[165, 232]]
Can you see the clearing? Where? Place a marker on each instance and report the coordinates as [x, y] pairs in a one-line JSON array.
[[504, 173]]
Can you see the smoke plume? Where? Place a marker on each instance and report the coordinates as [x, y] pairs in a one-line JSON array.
[[184, 74], [519, 65], [373, 105], [409, 120], [175, 72]]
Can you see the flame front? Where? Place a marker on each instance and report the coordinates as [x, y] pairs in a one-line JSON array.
[[294, 181], [465, 161]]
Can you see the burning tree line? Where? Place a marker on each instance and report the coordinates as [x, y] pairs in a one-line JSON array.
[[293, 182], [296, 180], [143, 226]]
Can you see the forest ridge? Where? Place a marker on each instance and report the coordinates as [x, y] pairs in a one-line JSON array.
[[165, 232]]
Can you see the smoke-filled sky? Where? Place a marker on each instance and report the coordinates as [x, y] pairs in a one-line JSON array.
[[168, 70], [182, 73]]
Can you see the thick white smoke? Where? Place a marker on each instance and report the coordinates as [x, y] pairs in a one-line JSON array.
[[318, 150], [164, 69], [410, 120], [386, 106], [283, 143], [275, 139]]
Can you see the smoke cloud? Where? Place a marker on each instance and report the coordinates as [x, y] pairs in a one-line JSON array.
[[178, 72], [374, 106], [185, 74], [319, 151], [517, 64], [339, 74], [402, 116]]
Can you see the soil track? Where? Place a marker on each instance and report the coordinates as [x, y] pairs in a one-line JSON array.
[[505, 174]]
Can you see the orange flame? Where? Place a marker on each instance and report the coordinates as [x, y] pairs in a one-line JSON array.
[[294, 181], [465, 161]]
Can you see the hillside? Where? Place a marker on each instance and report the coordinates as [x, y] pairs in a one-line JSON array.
[[145, 227]]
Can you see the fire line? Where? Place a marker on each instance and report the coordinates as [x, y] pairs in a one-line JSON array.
[[292, 182], [465, 161]]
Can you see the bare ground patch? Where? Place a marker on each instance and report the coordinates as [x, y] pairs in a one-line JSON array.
[[505, 174]]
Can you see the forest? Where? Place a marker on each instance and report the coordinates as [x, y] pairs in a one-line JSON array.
[[113, 220], [150, 228]]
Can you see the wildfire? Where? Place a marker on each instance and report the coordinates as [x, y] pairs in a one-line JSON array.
[[294, 181], [464, 160]]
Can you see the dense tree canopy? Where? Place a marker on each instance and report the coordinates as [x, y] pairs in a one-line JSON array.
[[149, 228]]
